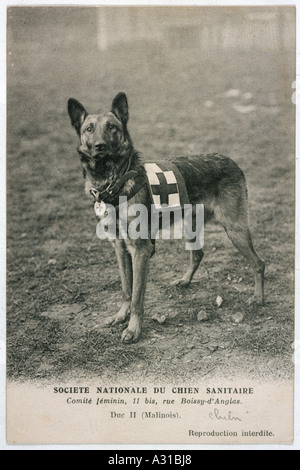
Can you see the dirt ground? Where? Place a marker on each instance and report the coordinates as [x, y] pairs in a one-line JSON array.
[[63, 281]]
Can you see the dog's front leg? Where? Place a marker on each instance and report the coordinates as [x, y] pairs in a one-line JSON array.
[[141, 253], [125, 268]]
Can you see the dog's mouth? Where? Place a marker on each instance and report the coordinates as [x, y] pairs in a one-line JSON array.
[[102, 154], [101, 149]]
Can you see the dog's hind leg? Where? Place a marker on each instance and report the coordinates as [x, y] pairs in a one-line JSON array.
[[241, 238], [231, 212], [196, 257], [125, 268], [195, 260]]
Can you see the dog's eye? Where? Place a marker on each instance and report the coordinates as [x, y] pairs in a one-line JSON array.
[[111, 126], [89, 129]]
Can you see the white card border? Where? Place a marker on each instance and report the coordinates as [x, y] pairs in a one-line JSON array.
[[3, 8]]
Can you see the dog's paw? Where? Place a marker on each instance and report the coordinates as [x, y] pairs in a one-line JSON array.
[[120, 317], [114, 320], [131, 335]]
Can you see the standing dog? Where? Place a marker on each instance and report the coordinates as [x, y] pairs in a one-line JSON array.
[[112, 167]]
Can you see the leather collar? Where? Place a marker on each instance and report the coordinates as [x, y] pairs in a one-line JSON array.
[[110, 194]]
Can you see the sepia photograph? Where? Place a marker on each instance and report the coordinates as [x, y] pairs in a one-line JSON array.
[[150, 224]]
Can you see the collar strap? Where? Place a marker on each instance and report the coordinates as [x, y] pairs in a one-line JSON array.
[[111, 193], [113, 189]]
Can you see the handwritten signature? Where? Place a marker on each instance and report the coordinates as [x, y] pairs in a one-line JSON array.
[[216, 415]]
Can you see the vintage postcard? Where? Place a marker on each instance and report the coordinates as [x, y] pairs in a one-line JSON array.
[[150, 224]]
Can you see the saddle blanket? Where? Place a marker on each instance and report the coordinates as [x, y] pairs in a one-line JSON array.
[[167, 186]]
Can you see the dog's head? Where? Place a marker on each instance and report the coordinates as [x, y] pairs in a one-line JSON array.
[[102, 135]]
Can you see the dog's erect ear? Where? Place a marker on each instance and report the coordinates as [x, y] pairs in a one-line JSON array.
[[77, 114], [120, 107]]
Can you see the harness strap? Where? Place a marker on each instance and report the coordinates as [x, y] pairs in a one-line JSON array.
[[112, 190], [110, 195]]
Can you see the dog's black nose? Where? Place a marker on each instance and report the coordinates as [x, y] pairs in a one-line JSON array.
[[100, 147]]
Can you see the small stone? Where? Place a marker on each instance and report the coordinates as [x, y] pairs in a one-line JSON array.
[[161, 319], [202, 316], [232, 93], [205, 340], [219, 301], [52, 262], [237, 317], [247, 96], [209, 104]]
